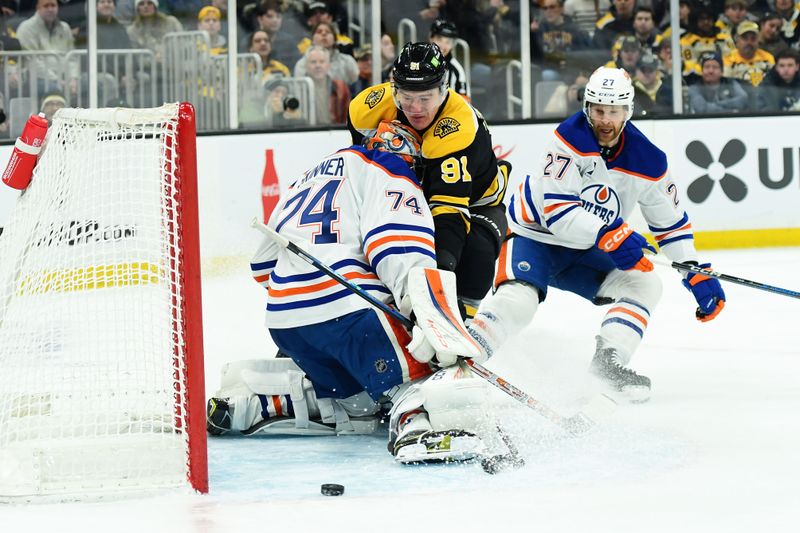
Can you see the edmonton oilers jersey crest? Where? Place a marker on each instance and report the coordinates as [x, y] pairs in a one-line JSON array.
[[602, 201]]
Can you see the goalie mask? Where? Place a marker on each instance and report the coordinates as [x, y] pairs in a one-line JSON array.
[[392, 136]]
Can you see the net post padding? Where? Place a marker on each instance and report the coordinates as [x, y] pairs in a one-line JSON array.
[[101, 355], [193, 315]]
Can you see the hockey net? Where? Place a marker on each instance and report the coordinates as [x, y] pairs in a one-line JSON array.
[[101, 361]]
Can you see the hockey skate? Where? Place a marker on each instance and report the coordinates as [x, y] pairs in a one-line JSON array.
[[621, 381]]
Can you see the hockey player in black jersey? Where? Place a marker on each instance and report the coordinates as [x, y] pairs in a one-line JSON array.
[[463, 182]]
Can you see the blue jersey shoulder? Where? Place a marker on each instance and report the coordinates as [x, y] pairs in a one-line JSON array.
[[639, 155], [576, 132], [394, 164]]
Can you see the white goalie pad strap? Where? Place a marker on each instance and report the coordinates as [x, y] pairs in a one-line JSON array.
[[333, 413], [245, 410], [355, 414], [433, 298], [268, 377]]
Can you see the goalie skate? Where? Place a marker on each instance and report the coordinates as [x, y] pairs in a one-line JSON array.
[[447, 446]]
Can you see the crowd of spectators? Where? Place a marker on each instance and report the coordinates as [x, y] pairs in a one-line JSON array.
[[729, 50], [735, 55]]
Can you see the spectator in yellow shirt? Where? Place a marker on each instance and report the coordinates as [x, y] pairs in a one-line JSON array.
[[702, 37], [748, 63]]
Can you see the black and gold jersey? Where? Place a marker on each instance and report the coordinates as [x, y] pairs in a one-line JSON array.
[[459, 168]]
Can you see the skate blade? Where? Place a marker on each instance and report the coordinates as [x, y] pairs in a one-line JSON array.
[[636, 394], [630, 394]]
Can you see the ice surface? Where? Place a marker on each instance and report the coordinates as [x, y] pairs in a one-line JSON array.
[[715, 450]]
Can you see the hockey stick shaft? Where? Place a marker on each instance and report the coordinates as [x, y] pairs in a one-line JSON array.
[[685, 267], [575, 424]]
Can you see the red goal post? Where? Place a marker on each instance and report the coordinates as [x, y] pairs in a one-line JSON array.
[[101, 348]]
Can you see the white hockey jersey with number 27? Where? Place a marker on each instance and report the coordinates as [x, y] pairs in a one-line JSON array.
[[575, 192], [361, 212]]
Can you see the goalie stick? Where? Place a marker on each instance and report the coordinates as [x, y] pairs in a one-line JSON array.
[[575, 425], [686, 267]]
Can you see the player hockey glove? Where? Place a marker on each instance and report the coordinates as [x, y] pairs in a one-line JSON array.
[[624, 246], [707, 291]]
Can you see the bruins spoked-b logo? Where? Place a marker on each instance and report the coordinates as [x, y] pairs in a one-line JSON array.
[[733, 186], [374, 97], [445, 127]]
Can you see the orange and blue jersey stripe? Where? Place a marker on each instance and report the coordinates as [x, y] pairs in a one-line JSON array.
[[521, 209], [398, 239], [261, 271], [295, 291], [558, 205], [681, 230]]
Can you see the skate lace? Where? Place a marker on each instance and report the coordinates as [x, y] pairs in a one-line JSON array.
[[619, 367]]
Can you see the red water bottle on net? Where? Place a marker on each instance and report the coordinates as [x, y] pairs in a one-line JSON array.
[[19, 170]]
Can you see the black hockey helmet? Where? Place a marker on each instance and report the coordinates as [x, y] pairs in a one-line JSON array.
[[419, 67], [445, 28]]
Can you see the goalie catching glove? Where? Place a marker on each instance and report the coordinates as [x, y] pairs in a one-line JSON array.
[[439, 335], [707, 291]]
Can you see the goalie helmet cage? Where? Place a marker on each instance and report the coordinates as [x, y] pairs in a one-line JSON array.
[[101, 351]]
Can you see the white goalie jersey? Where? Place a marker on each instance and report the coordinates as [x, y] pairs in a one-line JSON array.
[[363, 213], [575, 192]]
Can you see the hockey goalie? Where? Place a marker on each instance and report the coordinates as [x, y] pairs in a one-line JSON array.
[[349, 365]]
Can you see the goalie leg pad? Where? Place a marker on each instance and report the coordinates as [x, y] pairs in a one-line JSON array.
[[440, 419], [272, 396], [635, 295], [451, 398]]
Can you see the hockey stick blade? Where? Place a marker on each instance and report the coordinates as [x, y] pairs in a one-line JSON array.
[[512, 459]]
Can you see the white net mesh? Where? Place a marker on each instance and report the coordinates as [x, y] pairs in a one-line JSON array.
[[92, 372]]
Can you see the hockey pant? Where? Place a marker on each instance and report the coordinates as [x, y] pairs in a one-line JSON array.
[[525, 270]]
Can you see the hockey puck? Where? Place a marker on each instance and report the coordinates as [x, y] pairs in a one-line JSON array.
[[332, 489]]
